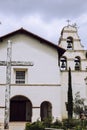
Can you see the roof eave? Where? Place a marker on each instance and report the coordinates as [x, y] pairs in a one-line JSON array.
[[42, 40]]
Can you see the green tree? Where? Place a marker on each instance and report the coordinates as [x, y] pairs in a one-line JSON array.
[[79, 105], [70, 96]]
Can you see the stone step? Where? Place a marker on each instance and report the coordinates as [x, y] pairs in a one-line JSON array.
[[14, 126], [17, 126]]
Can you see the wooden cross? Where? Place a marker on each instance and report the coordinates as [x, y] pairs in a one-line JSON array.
[[8, 65]]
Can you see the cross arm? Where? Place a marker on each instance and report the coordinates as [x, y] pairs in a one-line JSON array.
[[3, 63], [21, 63], [17, 63]]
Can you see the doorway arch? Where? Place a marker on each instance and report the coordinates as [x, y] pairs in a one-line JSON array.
[[20, 109], [45, 110]]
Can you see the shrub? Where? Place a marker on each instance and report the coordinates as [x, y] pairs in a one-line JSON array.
[[75, 124], [27, 126], [35, 126], [71, 123], [56, 124], [47, 122]]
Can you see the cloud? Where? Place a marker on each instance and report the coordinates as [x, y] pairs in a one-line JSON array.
[[48, 9], [45, 18]]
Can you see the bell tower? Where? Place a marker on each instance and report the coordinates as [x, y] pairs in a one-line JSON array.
[[69, 38], [75, 57], [70, 41]]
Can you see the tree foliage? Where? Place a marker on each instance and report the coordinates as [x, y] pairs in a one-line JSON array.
[[79, 105], [70, 96]]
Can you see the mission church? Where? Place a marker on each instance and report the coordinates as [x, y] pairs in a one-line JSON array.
[[38, 85]]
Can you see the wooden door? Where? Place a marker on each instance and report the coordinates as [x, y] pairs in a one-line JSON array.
[[18, 111]]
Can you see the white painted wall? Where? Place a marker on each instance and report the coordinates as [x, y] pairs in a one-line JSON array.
[[78, 82], [39, 94], [44, 58], [42, 79]]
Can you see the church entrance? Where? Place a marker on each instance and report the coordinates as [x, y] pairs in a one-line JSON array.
[[20, 109], [45, 110]]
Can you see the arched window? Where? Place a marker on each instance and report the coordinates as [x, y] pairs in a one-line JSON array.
[[63, 63], [77, 63], [69, 43], [45, 110]]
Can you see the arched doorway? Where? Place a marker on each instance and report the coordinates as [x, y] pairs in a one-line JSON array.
[[20, 109], [45, 110]]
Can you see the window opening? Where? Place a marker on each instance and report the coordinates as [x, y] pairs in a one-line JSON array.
[[20, 77]]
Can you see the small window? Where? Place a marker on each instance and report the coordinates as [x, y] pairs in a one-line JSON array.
[[20, 77], [77, 63], [69, 43], [63, 63]]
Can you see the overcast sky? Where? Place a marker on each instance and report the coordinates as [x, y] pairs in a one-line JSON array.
[[45, 18]]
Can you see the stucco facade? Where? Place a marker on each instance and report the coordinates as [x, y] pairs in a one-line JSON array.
[[36, 93], [39, 90], [75, 57]]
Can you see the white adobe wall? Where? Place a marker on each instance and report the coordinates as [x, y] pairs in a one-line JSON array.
[[2, 102], [78, 85], [44, 71], [78, 82], [39, 94], [43, 57]]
